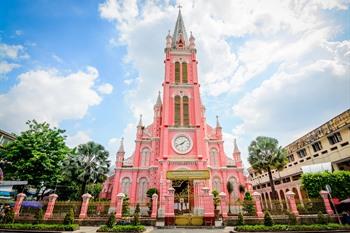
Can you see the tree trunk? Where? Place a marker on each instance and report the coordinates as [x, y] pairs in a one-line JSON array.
[[229, 203], [273, 190], [83, 188]]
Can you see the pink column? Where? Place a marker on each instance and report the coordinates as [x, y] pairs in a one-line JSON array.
[[291, 202], [258, 209], [84, 206], [154, 205], [119, 207], [18, 203], [223, 204], [325, 196], [50, 206], [208, 206]]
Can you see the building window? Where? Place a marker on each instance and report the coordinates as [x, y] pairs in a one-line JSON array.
[[186, 116], [125, 187], [184, 73], [301, 153], [335, 138], [145, 155], [317, 146], [291, 158], [177, 72], [177, 110], [214, 157], [142, 190]]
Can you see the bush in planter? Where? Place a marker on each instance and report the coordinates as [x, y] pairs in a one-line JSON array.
[[69, 218], [111, 221], [240, 221], [292, 219], [268, 219], [39, 216]]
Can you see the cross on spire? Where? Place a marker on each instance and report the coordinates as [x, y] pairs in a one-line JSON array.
[[179, 6]]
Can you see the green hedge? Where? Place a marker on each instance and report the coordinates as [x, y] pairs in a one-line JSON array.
[[338, 180], [122, 228], [42, 227], [314, 227]]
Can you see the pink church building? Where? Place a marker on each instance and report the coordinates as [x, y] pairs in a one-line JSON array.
[[179, 149]]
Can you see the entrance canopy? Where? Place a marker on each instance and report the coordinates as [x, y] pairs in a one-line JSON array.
[[188, 175]]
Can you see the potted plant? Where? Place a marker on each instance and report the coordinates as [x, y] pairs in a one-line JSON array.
[[216, 201]]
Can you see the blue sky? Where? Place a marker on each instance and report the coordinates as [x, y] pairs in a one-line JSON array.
[[274, 68]]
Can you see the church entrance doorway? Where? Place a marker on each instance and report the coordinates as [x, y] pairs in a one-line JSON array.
[[183, 196]]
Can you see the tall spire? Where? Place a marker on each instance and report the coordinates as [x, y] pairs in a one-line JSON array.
[[179, 30], [121, 147], [235, 147], [159, 100], [217, 122]]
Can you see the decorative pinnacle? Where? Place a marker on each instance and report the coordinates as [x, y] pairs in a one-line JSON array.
[[217, 122], [121, 147], [140, 121], [235, 147]]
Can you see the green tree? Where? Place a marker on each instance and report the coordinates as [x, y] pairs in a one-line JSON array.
[[125, 206], [88, 164], [36, 155], [248, 205], [229, 187], [265, 155]]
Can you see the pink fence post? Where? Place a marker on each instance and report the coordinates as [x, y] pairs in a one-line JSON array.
[[208, 205], [325, 196], [291, 202], [50, 206], [257, 199], [169, 210], [18, 203], [84, 206], [223, 204], [154, 205], [119, 207]]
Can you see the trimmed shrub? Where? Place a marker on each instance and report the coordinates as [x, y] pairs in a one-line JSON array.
[[136, 220], [125, 207], [267, 219], [248, 204], [321, 218], [295, 228], [111, 220], [69, 218], [292, 219], [240, 221], [122, 228], [43, 227]]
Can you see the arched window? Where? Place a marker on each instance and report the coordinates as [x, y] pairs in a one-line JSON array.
[[214, 157], [125, 187], [234, 183], [184, 73], [145, 155], [177, 72], [217, 184], [177, 119], [186, 116], [142, 190]]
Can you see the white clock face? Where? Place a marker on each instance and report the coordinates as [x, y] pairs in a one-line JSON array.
[[182, 144]]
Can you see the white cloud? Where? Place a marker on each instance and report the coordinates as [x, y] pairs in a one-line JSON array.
[[80, 137], [57, 58], [12, 51], [47, 95], [238, 42], [105, 88], [19, 32], [7, 67]]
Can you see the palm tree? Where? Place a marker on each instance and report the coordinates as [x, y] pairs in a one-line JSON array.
[[89, 164], [229, 187], [265, 155]]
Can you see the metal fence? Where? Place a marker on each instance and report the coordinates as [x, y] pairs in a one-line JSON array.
[[63, 207], [98, 208], [311, 206]]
